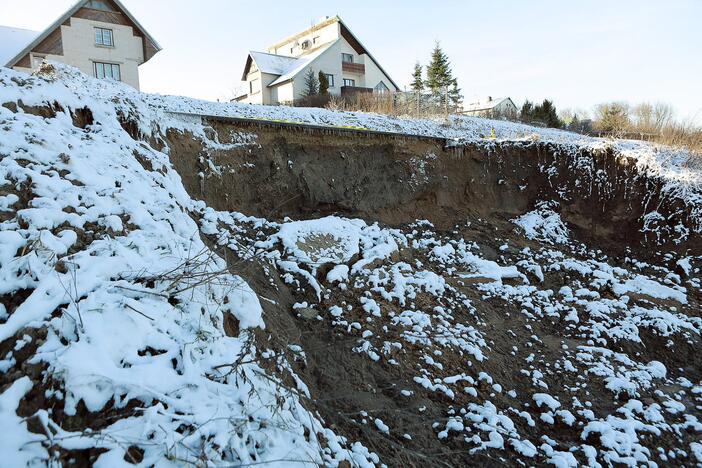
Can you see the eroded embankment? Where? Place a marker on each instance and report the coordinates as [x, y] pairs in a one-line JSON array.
[[125, 337], [268, 170]]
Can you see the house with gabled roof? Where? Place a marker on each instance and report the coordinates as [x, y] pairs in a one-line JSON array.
[[277, 76], [491, 107], [99, 37]]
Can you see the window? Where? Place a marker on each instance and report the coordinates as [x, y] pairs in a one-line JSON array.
[[103, 37], [253, 86], [37, 60], [349, 82], [108, 70], [347, 58], [98, 5], [330, 79], [381, 88]]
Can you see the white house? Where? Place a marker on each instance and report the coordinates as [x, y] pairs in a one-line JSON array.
[[491, 107], [277, 76], [99, 37]]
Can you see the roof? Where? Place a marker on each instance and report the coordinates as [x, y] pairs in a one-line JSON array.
[[343, 25], [304, 60], [272, 63], [300, 64], [486, 104], [12, 40], [285, 67], [318, 25], [70, 12]]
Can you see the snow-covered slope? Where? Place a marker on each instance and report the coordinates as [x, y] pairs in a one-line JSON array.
[[129, 336], [111, 301]]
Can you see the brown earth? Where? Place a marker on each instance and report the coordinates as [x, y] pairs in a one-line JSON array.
[[288, 171], [473, 191]]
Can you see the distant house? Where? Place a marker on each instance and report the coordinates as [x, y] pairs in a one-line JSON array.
[[491, 107], [99, 37], [277, 76]]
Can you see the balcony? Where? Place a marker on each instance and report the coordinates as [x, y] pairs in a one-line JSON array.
[[351, 67], [352, 90]]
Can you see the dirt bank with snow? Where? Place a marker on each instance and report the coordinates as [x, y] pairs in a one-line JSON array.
[[147, 319], [606, 197]]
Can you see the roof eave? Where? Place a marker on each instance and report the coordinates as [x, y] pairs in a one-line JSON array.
[[341, 22], [320, 53], [321, 24]]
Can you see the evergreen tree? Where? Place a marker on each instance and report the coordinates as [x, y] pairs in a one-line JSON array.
[[527, 112], [439, 75], [612, 117], [574, 124], [417, 81], [546, 113], [323, 83], [311, 84], [455, 97]]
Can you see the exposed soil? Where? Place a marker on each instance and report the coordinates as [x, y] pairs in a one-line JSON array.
[[471, 191], [395, 180]]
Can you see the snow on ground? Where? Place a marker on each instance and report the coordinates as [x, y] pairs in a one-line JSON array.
[[536, 350], [543, 224], [580, 390], [680, 173], [106, 283]]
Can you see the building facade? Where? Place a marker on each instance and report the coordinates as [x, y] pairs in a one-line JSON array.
[[492, 108], [277, 76], [99, 37]]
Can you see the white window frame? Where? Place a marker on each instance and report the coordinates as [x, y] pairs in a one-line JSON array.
[[346, 58], [101, 72], [37, 61], [104, 37], [349, 82], [330, 79], [251, 86], [381, 87]]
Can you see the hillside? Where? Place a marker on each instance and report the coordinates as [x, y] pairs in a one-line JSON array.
[[179, 286]]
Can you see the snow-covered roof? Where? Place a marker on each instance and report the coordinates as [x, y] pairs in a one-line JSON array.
[[13, 40], [272, 63], [284, 66], [300, 64], [345, 32], [484, 105]]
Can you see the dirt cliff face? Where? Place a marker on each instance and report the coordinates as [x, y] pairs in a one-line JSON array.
[[471, 194], [264, 170]]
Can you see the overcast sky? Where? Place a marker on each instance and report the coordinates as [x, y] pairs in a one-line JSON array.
[[578, 53]]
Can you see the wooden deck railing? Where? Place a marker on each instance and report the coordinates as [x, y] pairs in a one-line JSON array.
[[353, 67]]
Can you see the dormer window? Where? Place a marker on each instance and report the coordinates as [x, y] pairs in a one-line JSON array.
[[103, 37], [347, 58]]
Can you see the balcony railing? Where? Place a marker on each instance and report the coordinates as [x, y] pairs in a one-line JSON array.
[[353, 67], [350, 90]]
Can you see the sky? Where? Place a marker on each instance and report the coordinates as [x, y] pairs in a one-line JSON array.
[[577, 53]]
